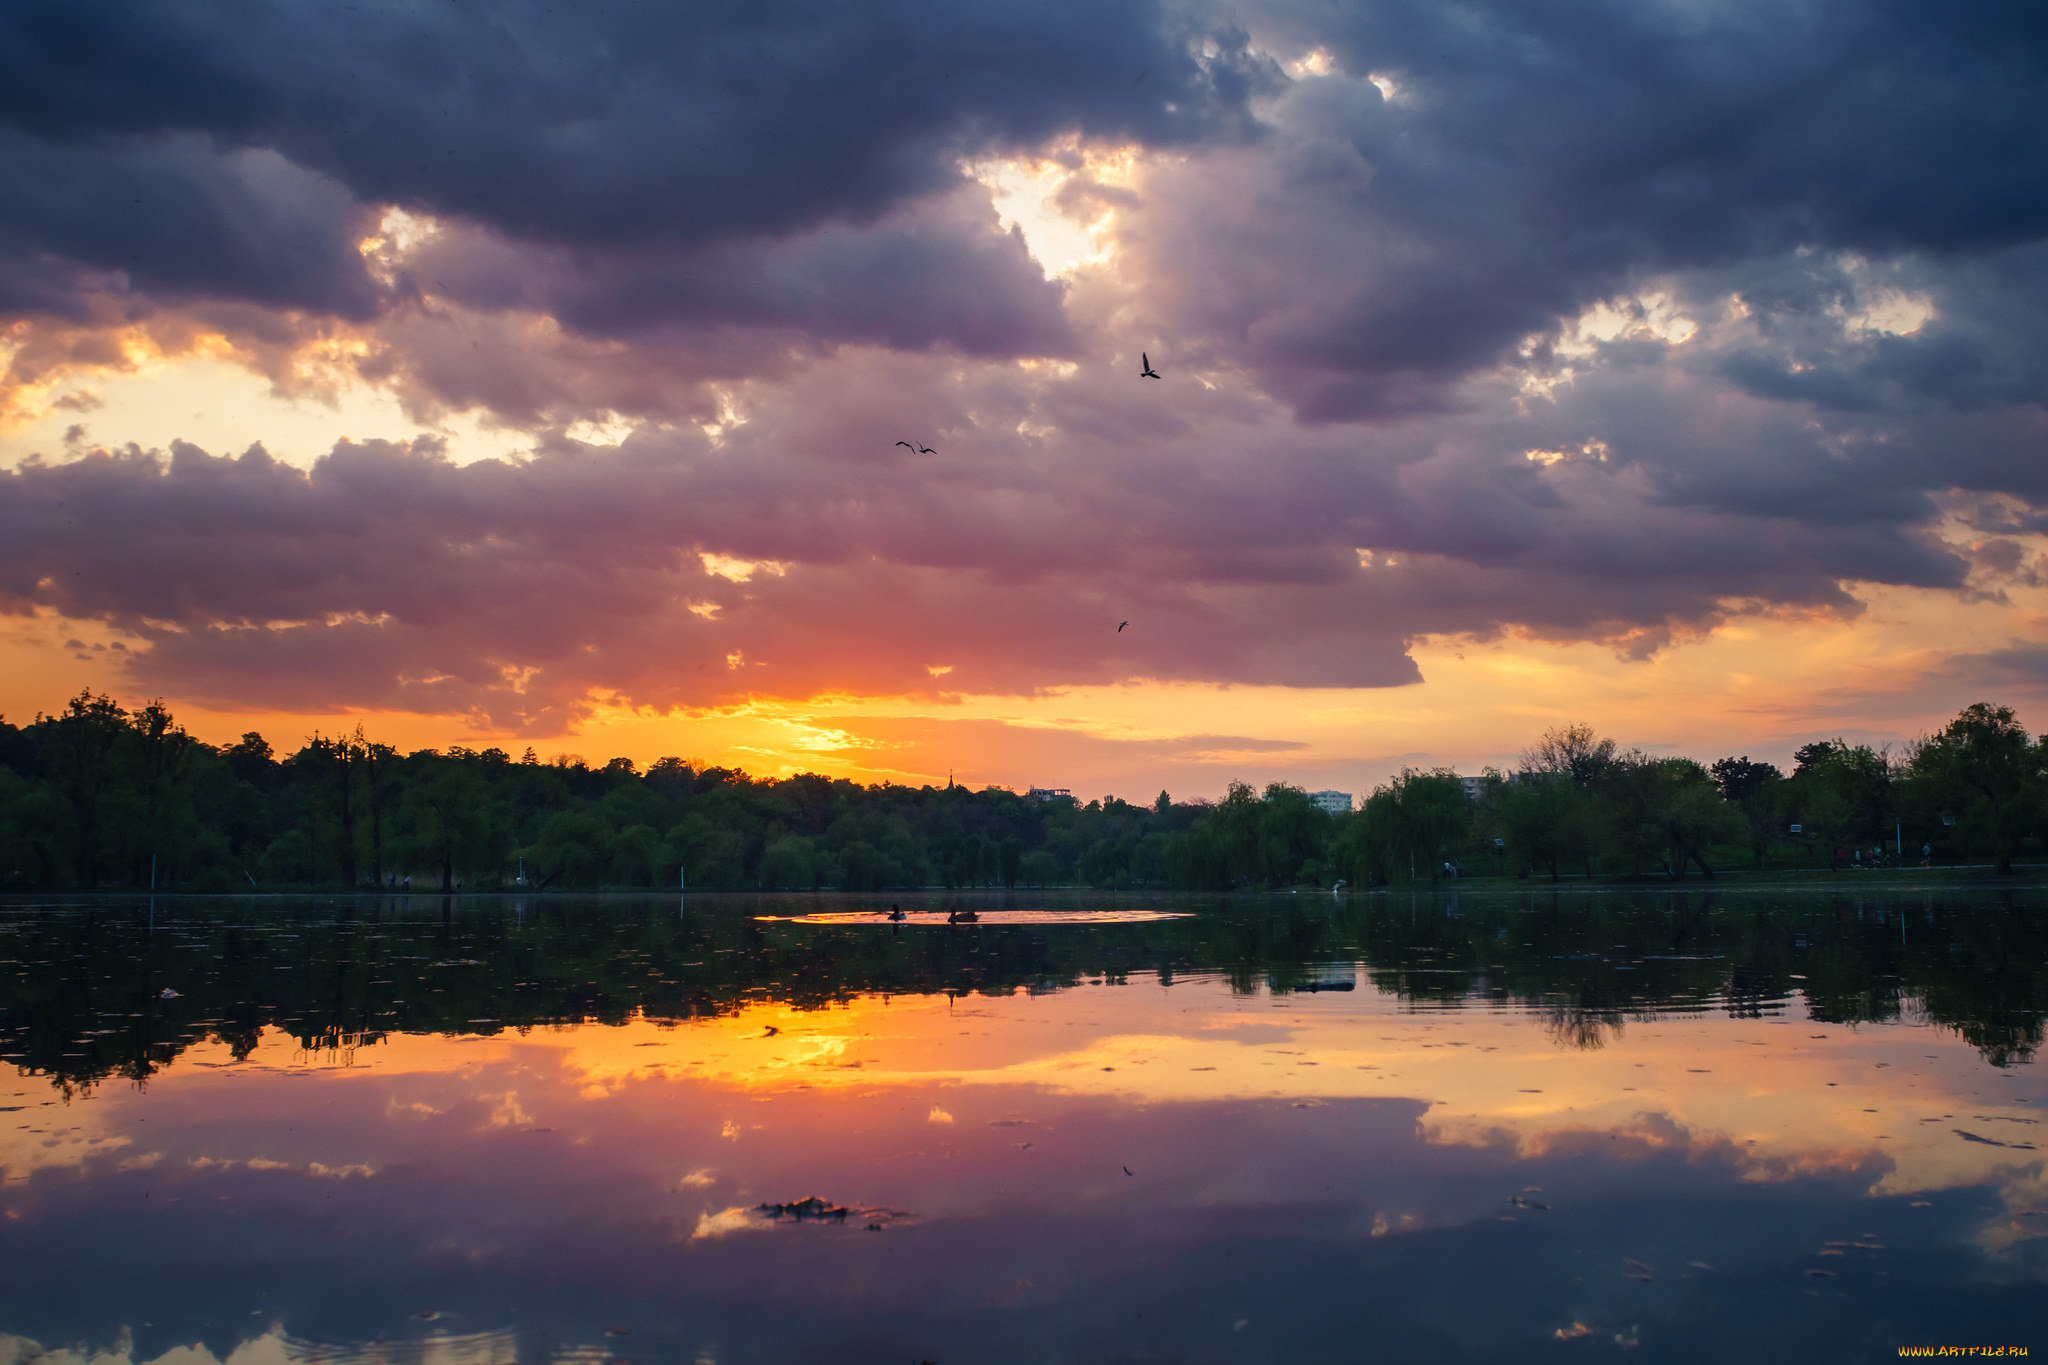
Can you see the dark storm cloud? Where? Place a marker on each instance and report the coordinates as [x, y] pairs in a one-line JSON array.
[[1815, 239], [387, 575], [1535, 159], [932, 273], [1530, 162], [1986, 349], [591, 125], [175, 211]]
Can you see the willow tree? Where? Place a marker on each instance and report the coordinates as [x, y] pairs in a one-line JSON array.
[[1983, 767]]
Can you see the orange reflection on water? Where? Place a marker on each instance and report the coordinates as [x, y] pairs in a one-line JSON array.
[[1787, 1095]]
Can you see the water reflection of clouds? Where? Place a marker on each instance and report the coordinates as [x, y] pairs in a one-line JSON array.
[[1245, 1211], [1304, 1130], [1781, 1093], [275, 1347]]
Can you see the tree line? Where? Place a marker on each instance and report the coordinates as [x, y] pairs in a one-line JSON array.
[[1977, 790], [98, 796]]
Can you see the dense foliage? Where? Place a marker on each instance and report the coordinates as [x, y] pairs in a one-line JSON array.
[[99, 796]]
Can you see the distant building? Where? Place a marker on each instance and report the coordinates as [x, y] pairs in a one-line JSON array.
[[1050, 793], [1336, 803], [1471, 786]]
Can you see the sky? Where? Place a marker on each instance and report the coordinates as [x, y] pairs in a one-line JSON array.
[[539, 375]]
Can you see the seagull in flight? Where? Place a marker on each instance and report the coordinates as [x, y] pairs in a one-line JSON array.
[[1120, 626], [926, 450], [907, 446], [1148, 372]]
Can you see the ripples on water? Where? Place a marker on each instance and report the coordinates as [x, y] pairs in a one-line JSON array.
[[1083, 1128]]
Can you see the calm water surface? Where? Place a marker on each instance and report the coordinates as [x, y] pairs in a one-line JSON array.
[[1668, 1127]]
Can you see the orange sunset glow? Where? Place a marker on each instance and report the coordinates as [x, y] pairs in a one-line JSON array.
[[937, 1072], [1243, 682], [499, 499]]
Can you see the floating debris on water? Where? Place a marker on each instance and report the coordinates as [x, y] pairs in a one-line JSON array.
[[801, 1209], [815, 1209]]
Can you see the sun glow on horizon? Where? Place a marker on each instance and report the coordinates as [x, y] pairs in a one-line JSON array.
[[1759, 685]]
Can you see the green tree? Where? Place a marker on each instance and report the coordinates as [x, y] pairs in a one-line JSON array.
[[1986, 769], [789, 863], [79, 751], [1416, 821], [1039, 868], [443, 818], [1693, 814], [1841, 793], [1573, 751], [1545, 819], [1763, 810]]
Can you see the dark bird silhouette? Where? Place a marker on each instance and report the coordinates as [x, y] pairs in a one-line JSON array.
[[926, 450], [1127, 1170], [895, 911], [1120, 626], [772, 1031], [1148, 372], [907, 446]]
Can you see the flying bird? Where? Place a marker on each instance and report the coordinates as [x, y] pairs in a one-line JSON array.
[[772, 1031], [926, 450], [907, 446], [1148, 372], [1120, 626]]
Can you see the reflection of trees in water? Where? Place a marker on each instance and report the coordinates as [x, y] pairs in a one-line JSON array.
[[340, 976], [1575, 1026], [1977, 964], [1751, 992], [2004, 1042]]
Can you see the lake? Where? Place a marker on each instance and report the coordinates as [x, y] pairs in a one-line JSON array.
[[1662, 1126]]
